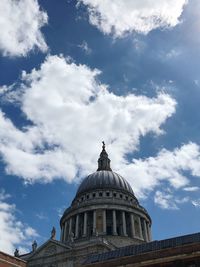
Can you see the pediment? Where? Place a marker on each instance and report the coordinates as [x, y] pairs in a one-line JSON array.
[[49, 248]]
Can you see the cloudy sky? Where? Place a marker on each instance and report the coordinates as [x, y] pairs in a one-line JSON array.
[[74, 73]]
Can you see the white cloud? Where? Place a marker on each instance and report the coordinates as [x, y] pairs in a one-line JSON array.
[[173, 53], [3, 195], [41, 216], [191, 188], [166, 200], [121, 16], [14, 233], [71, 116], [20, 24], [196, 203], [85, 47], [167, 166]]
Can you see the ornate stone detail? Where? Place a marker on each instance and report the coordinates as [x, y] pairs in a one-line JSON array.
[[51, 250]]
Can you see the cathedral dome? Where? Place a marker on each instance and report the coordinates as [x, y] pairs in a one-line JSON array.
[[104, 179], [105, 206]]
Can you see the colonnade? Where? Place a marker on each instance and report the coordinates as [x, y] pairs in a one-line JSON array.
[[105, 222]]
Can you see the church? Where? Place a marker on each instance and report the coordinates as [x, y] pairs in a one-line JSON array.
[[106, 226]]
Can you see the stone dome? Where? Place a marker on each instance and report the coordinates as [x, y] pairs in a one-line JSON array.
[[105, 210], [104, 179]]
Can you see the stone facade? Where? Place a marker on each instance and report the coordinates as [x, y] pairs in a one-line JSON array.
[[106, 226], [103, 216]]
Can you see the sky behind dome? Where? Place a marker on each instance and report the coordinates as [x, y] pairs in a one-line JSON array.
[[75, 73]]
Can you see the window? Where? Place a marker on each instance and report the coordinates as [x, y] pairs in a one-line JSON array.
[[94, 195], [88, 196], [114, 194], [100, 194], [107, 194], [121, 196], [126, 198]]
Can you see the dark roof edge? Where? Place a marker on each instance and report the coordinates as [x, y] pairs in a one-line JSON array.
[[134, 250]]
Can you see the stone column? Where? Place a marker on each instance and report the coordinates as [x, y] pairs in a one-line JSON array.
[[140, 228], [149, 231], [70, 227], [77, 226], [114, 223], [65, 231], [145, 231], [132, 225], [62, 233], [85, 225], [124, 223], [104, 222], [94, 223]]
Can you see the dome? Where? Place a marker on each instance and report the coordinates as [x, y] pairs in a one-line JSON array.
[[104, 179], [105, 206]]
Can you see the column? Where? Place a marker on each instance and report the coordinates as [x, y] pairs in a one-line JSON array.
[[70, 226], [65, 232], [124, 223], [94, 222], [132, 225], [140, 228], [85, 224], [114, 223], [104, 221], [149, 231], [62, 233], [77, 225], [145, 231]]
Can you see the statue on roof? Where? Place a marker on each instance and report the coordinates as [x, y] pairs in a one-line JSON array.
[[16, 253], [34, 246], [104, 146], [53, 233]]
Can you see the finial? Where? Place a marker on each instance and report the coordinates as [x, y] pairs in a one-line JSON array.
[[103, 161]]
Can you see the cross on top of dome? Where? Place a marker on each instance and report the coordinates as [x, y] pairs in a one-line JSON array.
[[104, 161]]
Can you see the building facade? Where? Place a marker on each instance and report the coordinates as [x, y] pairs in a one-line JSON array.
[[106, 226], [104, 215]]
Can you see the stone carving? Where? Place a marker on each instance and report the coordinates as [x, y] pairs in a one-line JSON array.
[[34, 246], [16, 253], [50, 250], [53, 233]]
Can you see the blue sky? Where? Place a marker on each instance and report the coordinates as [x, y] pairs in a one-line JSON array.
[[75, 73]]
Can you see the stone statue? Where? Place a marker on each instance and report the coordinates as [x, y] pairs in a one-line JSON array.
[[34, 246], [103, 145], [53, 233], [16, 253]]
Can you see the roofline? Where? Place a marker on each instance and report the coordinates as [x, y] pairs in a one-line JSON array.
[[139, 250]]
